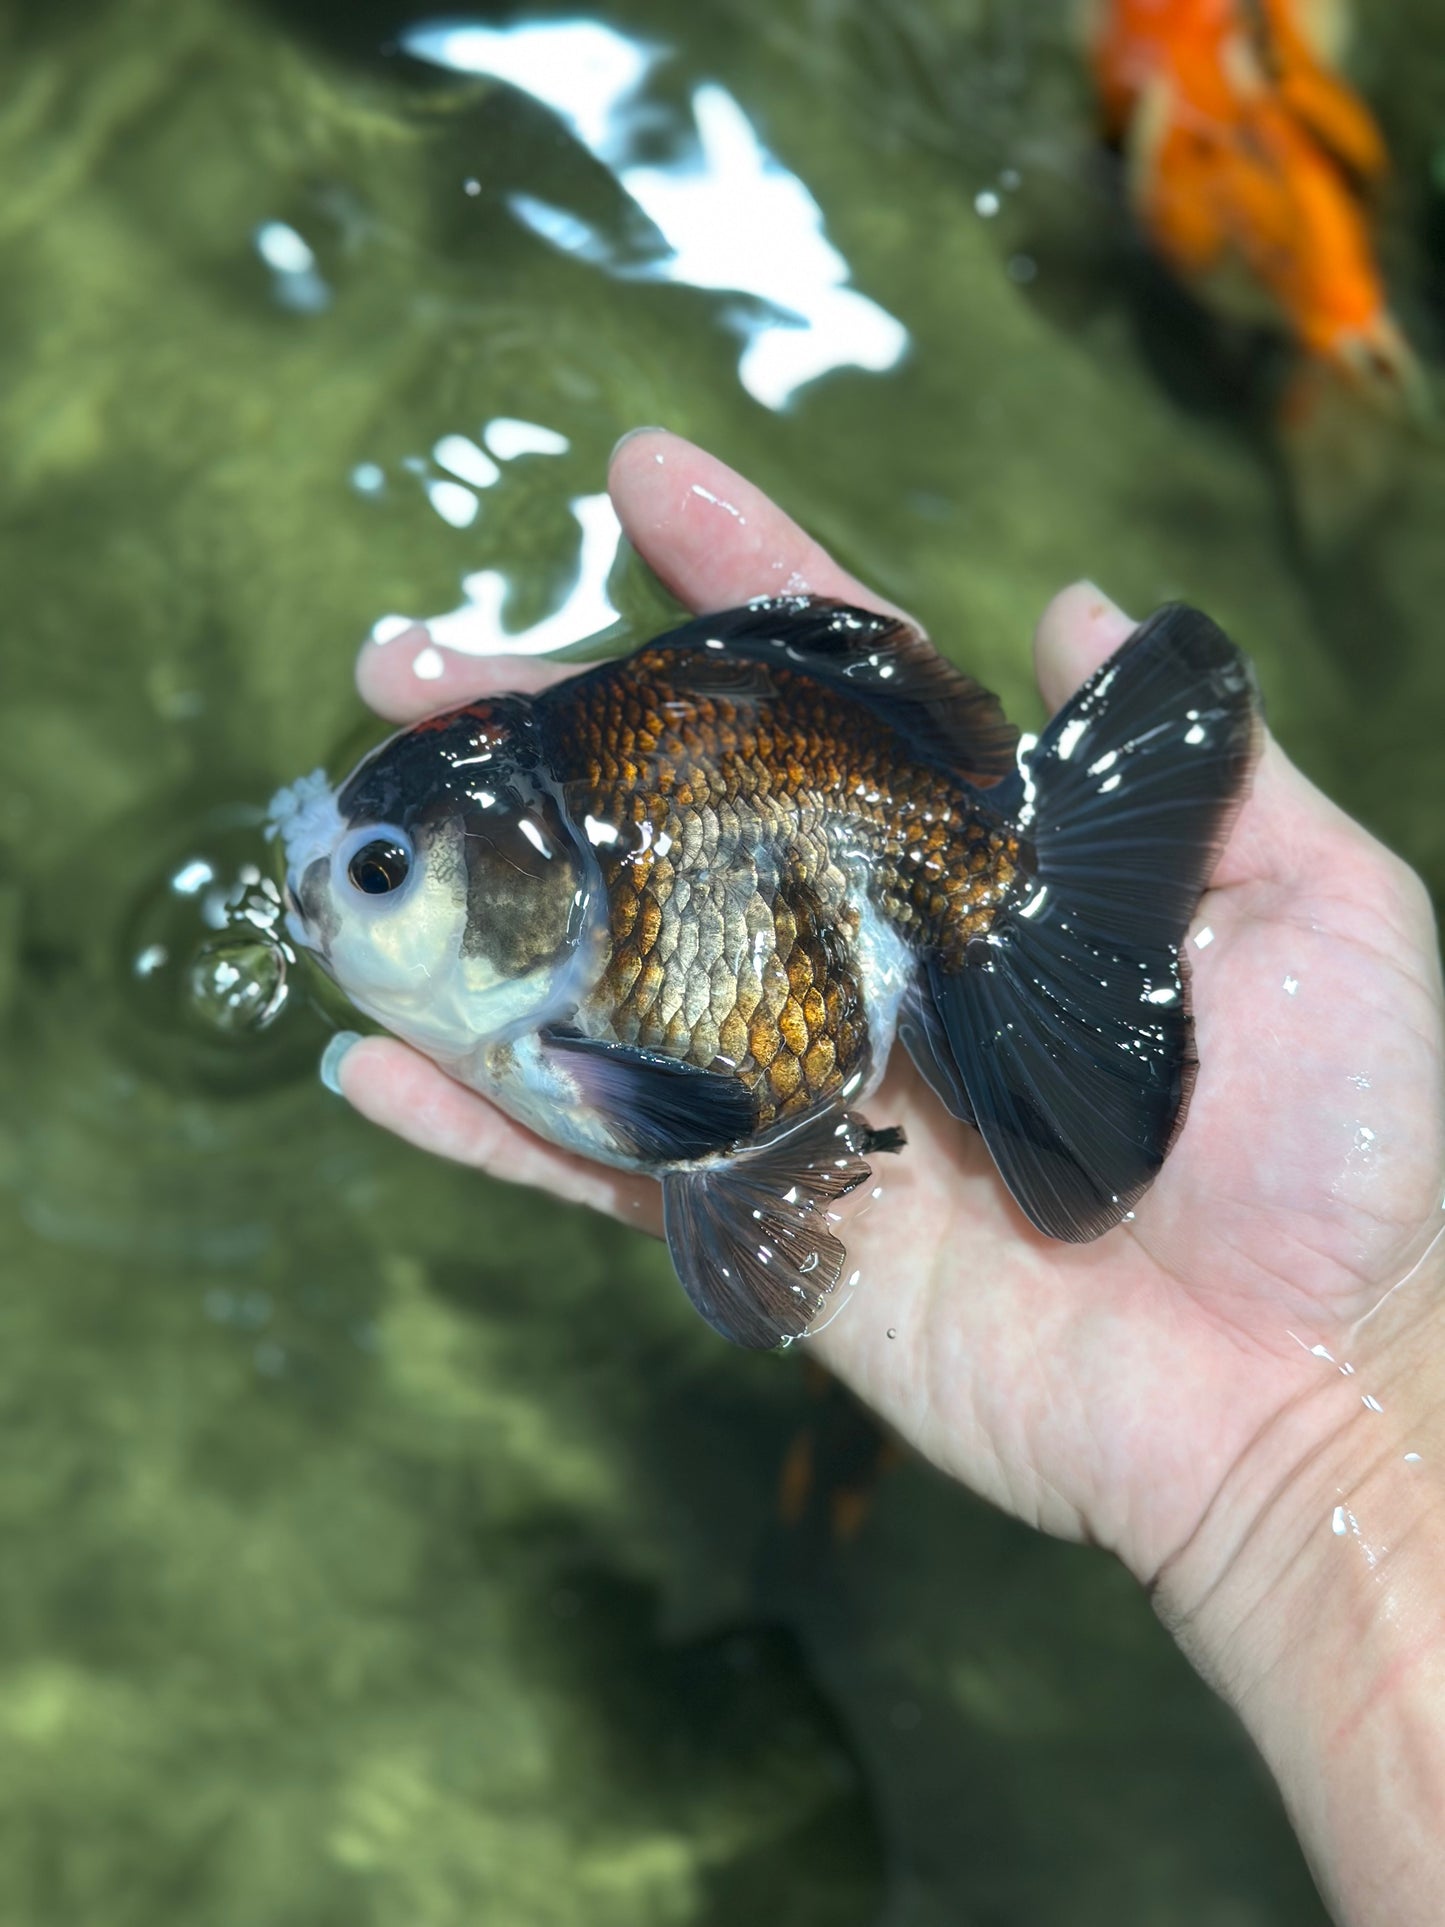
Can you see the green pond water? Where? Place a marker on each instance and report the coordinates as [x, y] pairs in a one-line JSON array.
[[380, 1546]]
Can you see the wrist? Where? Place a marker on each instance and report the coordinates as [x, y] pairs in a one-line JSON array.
[[1312, 1598]]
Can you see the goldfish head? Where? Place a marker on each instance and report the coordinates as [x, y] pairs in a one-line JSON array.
[[439, 884]]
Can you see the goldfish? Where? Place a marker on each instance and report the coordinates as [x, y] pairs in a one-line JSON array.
[[1251, 169], [672, 913], [833, 1464]]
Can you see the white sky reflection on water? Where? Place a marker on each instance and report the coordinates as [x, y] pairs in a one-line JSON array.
[[295, 280], [475, 626], [733, 218], [508, 438]]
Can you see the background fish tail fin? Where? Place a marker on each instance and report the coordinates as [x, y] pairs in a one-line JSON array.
[[1069, 1024]]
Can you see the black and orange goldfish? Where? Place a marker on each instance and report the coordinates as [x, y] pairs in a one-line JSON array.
[[673, 912]]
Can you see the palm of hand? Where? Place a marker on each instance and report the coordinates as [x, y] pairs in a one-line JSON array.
[[1108, 1388], [1102, 1389]]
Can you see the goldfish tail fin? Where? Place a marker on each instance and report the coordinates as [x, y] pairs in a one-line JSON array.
[[1068, 1025]]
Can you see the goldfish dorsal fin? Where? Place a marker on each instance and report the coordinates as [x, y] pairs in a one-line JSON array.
[[883, 660]]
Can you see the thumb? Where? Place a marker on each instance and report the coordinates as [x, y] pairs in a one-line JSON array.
[[1080, 628]]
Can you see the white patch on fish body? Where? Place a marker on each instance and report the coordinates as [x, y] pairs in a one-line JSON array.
[[535, 1086], [887, 966]]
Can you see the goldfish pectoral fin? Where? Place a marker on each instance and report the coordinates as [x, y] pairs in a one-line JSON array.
[[1069, 1023], [659, 1109], [753, 1237], [883, 660]]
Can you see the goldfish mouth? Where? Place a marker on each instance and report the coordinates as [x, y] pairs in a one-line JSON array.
[[297, 928]]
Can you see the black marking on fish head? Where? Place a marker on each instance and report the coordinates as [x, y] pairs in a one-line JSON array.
[[469, 796]]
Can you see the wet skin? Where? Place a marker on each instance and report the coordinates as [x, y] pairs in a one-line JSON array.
[[1112, 1391]]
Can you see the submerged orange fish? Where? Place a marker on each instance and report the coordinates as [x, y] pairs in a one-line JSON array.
[[1251, 168]]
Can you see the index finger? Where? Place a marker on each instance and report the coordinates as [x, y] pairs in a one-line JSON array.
[[713, 537]]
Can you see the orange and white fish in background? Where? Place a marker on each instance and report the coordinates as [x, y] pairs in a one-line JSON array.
[[1252, 168]]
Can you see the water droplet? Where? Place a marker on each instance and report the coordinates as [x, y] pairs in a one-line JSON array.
[[1339, 1522], [986, 203], [892, 1331]]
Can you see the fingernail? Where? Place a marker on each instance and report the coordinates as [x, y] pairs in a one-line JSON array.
[[648, 428], [1101, 606], [331, 1058]]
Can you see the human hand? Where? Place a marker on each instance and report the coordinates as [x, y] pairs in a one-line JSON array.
[[1101, 1390], [1190, 1389]]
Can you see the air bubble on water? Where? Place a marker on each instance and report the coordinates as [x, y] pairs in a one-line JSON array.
[[237, 981], [216, 906]]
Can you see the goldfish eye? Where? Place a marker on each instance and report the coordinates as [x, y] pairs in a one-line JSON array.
[[379, 867]]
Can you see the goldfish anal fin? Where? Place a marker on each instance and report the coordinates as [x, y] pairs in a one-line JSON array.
[[882, 660], [752, 1237]]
